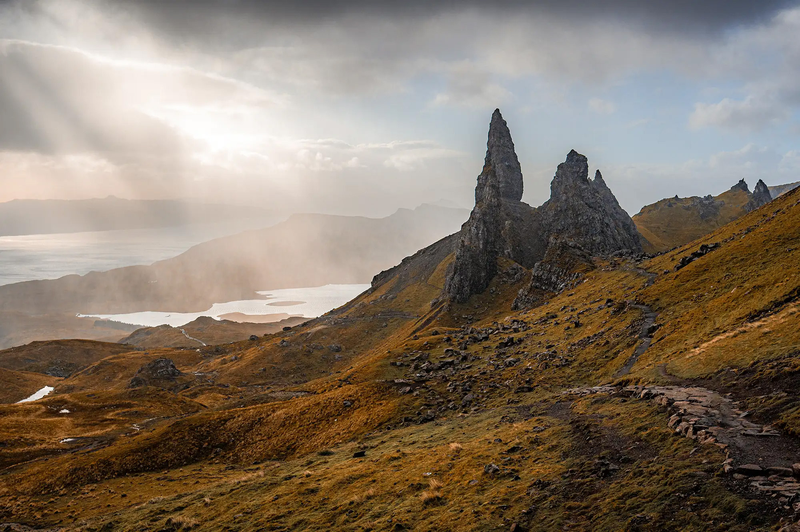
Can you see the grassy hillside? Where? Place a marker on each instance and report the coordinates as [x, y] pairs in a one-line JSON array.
[[401, 412], [676, 221], [204, 331]]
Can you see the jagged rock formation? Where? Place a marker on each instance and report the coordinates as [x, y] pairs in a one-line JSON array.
[[500, 223], [586, 211], [741, 185], [502, 160], [760, 196], [580, 210]]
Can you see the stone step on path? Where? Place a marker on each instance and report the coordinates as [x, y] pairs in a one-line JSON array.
[[709, 418]]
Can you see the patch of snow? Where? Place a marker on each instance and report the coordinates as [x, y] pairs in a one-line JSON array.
[[38, 395], [63, 411], [67, 440]]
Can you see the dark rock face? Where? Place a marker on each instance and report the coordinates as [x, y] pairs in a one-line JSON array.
[[500, 225], [741, 185], [502, 160], [581, 211], [586, 212], [761, 196], [563, 267], [159, 370]]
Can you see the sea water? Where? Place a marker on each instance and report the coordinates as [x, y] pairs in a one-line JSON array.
[[303, 302]]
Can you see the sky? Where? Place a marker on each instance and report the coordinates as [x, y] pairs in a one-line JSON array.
[[362, 107]]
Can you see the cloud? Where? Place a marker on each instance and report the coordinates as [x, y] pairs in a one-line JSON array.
[[679, 16], [601, 107], [469, 86], [55, 99], [750, 114]]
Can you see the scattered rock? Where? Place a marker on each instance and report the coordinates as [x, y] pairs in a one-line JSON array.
[[491, 469], [159, 370], [704, 249], [750, 470]]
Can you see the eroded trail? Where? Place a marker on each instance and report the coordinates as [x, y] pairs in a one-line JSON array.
[[756, 452], [646, 337]]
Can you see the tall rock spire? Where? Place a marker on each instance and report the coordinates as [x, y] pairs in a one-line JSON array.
[[759, 197], [501, 159], [487, 234], [582, 216]]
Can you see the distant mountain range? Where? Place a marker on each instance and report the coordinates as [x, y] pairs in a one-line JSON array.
[[28, 217]]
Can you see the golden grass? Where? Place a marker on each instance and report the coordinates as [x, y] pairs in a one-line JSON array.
[[717, 312]]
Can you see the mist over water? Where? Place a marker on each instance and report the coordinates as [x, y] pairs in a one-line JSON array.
[[50, 256]]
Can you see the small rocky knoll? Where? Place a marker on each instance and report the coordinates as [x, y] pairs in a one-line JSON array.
[[159, 372]]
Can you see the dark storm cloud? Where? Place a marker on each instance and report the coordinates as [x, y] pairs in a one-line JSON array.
[[205, 20]]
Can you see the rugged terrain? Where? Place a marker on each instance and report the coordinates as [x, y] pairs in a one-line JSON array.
[[676, 221], [589, 388]]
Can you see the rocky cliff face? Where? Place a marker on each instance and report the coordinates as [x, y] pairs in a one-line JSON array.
[[501, 166], [586, 212], [761, 196], [494, 225], [581, 211]]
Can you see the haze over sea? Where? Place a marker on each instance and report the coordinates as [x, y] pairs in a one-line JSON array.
[[50, 256]]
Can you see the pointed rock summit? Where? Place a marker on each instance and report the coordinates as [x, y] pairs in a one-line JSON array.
[[501, 162], [741, 185], [586, 212], [760, 196], [580, 211], [492, 230]]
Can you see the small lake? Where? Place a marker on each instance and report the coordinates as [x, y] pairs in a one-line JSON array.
[[303, 302]]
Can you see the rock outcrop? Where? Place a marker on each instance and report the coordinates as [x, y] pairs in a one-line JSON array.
[[562, 267], [761, 196], [580, 211], [586, 212], [741, 185], [156, 373], [500, 225]]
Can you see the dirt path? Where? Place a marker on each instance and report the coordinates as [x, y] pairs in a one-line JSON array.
[[755, 452], [646, 337]]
